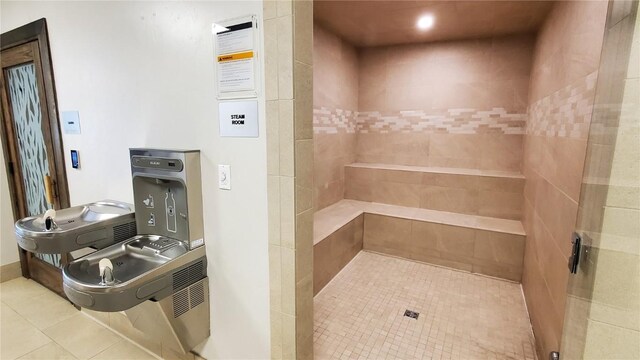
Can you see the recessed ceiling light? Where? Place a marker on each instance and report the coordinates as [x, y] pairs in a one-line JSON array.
[[425, 22]]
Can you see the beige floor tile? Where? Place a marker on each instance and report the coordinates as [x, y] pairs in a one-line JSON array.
[[123, 350], [44, 310], [17, 336], [360, 314], [82, 336], [16, 290], [51, 351]]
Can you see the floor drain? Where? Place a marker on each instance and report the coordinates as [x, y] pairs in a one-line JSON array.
[[411, 314]]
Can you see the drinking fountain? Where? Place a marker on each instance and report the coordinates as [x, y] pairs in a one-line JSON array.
[[158, 277], [97, 224]]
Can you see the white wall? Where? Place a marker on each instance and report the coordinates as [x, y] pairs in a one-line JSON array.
[[141, 74], [8, 246]]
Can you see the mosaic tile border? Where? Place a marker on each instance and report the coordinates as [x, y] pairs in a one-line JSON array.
[[566, 112], [333, 121], [451, 121]]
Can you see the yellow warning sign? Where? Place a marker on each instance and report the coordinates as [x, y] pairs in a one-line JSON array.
[[236, 56]]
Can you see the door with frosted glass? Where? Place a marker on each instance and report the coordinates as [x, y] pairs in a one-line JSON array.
[[602, 317], [32, 148]]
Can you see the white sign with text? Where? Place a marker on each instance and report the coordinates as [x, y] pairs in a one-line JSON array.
[[238, 118]]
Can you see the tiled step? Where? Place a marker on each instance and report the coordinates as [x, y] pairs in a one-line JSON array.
[[485, 245], [487, 193]]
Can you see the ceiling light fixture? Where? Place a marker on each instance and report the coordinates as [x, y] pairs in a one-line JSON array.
[[425, 22]]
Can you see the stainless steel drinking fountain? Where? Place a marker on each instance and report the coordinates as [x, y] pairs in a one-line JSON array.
[[98, 224], [159, 276]]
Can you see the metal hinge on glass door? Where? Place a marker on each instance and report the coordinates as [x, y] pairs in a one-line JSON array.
[[574, 259]]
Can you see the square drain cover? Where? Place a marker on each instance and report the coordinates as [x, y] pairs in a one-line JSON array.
[[411, 314]]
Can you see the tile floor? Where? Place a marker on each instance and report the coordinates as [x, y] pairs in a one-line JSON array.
[[37, 324], [359, 314]]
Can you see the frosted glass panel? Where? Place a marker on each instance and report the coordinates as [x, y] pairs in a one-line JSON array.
[[25, 104]]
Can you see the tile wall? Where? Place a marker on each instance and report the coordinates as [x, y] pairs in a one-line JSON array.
[[419, 105], [440, 104], [485, 194], [479, 251], [288, 39], [333, 253], [335, 102], [561, 98]]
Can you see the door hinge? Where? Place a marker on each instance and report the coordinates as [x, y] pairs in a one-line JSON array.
[[574, 259], [11, 169]]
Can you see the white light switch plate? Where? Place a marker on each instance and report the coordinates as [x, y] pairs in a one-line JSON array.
[[224, 177]]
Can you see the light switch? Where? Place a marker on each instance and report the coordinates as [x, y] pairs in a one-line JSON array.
[[224, 177]]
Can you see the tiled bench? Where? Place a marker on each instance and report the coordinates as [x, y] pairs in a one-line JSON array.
[[478, 244], [466, 191]]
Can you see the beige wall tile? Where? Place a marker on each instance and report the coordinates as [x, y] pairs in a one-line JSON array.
[[275, 278], [613, 286], [500, 204], [303, 32], [288, 336], [508, 272], [287, 212], [499, 248], [323, 266], [304, 244], [396, 193], [273, 138], [285, 54], [305, 348], [286, 137], [462, 70], [333, 253], [270, 9], [500, 152], [284, 7], [449, 199], [387, 235], [303, 100], [304, 163], [335, 71], [469, 182], [511, 185], [450, 242], [276, 334], [304, 308], [271, 57], [546, 321], [608, 341], [288, 273], [273, 204]]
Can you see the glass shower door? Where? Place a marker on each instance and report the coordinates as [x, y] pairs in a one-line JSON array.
[[602, 317]]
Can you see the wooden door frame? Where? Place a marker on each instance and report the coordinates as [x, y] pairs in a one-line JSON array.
[[37, 31]]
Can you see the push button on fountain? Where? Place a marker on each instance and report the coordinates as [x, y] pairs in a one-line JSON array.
[[152, 220], [148, 202]]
